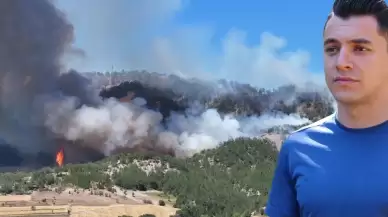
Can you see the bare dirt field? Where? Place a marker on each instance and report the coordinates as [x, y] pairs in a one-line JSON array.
[[80, 203], [88, 211]]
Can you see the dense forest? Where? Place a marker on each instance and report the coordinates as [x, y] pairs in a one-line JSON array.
[[232, 180]]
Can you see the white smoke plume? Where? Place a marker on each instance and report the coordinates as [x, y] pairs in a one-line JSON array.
[[117, 124], [134, 35], [41, 103]]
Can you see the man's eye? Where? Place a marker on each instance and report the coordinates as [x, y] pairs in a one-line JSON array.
[[360, 49], [331, 50]]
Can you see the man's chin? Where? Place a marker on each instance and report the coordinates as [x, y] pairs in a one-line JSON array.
[[347, 97]]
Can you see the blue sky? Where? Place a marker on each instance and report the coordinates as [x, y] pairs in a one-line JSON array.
[[265, 43], [300, 23]]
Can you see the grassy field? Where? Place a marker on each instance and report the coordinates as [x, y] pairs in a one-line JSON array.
[[37, 215], [157, 195], [84, 204], [117, 210], [87, 211], [53, 211]]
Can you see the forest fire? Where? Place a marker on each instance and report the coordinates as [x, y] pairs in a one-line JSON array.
[[59, 157]]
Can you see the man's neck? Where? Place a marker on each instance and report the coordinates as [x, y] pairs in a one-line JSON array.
[[362, 116]]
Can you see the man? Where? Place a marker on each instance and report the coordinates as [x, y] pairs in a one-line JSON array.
[[338, 166]]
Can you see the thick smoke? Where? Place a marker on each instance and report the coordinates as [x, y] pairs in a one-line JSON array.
[[33, 36], [43, 108], [128, 125]]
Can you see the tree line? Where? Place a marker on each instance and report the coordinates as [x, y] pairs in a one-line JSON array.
[[232, 180]]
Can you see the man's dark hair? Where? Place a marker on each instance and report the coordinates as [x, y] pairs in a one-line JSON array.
[[376, 8]]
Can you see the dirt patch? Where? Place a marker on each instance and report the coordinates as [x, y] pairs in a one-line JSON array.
[[34, 211], [80, 197], [158, 195], [276, 138], [15, 198], [86, 203], [89, 211], [117, 210]]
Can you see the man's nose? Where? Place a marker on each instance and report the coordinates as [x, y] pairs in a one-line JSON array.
[[344, 62]]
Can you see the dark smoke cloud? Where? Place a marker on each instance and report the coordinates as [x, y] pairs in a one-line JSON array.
[[43, 108], [33, 37]]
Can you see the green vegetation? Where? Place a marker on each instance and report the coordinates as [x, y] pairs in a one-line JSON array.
[[232, 180]]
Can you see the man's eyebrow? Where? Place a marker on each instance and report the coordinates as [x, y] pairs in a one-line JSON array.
[[352, 41], [330, 41], [360, 41]]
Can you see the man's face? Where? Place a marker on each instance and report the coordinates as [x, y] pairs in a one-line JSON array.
[[355, 58]]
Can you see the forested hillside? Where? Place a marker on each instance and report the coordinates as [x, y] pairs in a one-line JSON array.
[[312, 102], [232, 180]]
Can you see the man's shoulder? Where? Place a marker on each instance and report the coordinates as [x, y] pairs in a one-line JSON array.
[[322, 123], [308, 133]]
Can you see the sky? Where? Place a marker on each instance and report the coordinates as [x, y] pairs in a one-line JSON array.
[[264, 43]]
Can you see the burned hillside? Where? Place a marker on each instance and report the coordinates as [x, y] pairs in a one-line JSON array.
[[153, 98], [172, 93], [47, 110]]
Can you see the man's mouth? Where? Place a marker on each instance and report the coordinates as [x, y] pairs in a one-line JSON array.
[[343, 79]]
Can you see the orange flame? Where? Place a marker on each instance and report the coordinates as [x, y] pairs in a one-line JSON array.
[[59, 157]]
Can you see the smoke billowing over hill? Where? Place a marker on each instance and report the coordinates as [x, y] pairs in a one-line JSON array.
[[44, 107], [150, 35]]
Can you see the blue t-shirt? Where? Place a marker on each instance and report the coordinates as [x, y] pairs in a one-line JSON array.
[[328, 170]]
